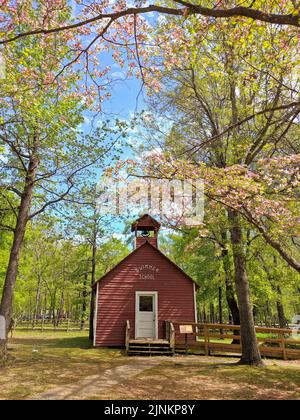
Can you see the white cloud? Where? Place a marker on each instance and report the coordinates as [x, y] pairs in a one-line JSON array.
[[118, 75]]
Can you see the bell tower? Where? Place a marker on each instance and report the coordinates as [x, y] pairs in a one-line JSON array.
[[146, 230]]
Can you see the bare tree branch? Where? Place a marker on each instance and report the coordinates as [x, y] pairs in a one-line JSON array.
[[6, 227], [241, 122], [55, 201]]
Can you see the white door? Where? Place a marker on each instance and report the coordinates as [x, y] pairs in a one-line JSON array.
[[146, 315]]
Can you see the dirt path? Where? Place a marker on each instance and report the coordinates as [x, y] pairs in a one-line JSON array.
[[96, 384], [216, 374]]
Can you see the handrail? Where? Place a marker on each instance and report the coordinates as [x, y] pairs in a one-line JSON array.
[[235, 327], [204, 331], [170, 335], [127, 335]]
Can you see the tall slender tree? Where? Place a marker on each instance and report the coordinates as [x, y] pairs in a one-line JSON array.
[[44, 151], [208, 91]]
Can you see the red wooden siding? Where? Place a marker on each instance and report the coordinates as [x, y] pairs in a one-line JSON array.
[[140, 241], [116, 296]]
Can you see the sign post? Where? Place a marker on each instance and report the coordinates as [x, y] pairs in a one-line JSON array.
[[186, 329]]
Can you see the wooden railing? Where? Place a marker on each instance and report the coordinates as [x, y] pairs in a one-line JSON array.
[[127, 335], [273, 342], [170, 335], [49, 325]]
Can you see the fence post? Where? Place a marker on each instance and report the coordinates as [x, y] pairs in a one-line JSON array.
[[283, 346], [172, 339], [206, 340], [127, 336], [167, 330], [186, 344]]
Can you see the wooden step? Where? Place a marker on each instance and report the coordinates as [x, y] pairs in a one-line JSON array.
[[149, 353], [144, 347], [147, 342], [149, 348]]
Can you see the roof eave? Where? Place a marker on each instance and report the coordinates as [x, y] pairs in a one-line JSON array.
[[156, 249]]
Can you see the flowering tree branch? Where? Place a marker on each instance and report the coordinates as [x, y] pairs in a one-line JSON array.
[[187, 8]]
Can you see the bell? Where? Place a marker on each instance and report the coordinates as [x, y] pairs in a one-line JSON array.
[[145, 233]]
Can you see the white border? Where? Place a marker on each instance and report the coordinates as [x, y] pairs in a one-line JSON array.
[[149, 293], [95, 316]]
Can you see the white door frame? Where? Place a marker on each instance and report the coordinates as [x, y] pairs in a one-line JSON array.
[[147, 293]]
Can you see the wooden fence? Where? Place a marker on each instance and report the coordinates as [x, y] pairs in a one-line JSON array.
[[49, 325], [213, 339]]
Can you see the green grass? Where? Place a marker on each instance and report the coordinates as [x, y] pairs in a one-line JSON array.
[[40, 361], [211, 379]]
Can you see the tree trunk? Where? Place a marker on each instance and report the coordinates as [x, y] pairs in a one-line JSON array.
[[204, 315], [53, 307], [37, 301], [280, 310], [230, 297], [212, 313], [268, 315], [250, 351], [60, 309], [221, 308], [93, 295], [14, 258], [84, 304], [255, 314]]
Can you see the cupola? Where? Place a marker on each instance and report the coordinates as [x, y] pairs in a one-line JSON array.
[[146, 229]]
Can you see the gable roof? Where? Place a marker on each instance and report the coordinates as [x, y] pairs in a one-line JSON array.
[[156, 250], [146, 221]]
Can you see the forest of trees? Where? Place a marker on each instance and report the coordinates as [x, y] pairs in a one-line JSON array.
[[55, 274], [221, 103]]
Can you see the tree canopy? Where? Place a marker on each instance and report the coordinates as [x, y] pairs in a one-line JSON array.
[[222, 104]]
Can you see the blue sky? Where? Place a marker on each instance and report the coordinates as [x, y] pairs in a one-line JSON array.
[[126, 99]]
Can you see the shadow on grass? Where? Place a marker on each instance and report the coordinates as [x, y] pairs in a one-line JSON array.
[[268, 377], [82, 343]]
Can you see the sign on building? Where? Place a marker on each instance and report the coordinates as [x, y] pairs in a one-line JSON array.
[[186, 329]]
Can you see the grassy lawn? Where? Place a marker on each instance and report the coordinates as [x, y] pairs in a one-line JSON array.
[[212, 379], [44, 361], [40, 361]]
